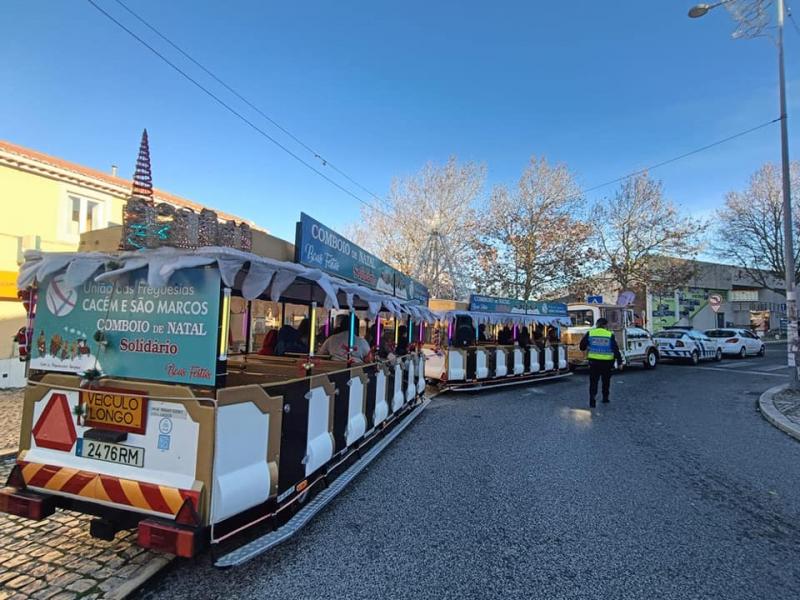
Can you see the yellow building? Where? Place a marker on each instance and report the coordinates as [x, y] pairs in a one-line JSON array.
[[47, 203]]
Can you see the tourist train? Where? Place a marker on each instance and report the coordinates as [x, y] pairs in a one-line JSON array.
[[220, 396], [494, 342]]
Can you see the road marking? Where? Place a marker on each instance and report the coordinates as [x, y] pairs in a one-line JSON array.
[[742, 371], [775, 368], [732, 365]]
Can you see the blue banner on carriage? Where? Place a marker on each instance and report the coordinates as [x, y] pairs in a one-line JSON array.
[[408, 288], [320, 247], [126, 328], [479, 303]]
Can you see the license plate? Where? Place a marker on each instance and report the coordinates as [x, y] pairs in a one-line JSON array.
[[132, 456]]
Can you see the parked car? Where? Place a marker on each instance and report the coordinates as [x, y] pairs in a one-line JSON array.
[[686, 344], [638, 346], [737, 342]]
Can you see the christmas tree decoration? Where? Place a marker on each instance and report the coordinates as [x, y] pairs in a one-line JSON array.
[[149, 225], [165, 220], [137, 224], [226, 234], [207, 229], [80, 411], [245, 237], [185, 228], [142, 176]]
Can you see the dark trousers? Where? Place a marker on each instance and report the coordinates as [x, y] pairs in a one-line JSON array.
[[599, 369]]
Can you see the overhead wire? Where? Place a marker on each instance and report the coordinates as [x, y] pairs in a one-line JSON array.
[[679, 157], [791, 18], [230, 109], [324, 160]]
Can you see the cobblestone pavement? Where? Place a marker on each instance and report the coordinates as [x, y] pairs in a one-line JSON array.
[[10, 416], [56, 559]]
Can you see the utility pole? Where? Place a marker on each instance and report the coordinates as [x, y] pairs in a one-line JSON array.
[[751, 30], [788, 222]]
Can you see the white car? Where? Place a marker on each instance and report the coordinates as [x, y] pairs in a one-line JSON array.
[[638, 346], [737, 342], [686, 344]]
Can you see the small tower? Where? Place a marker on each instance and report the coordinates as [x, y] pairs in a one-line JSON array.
[[139, 219], [143, 177]]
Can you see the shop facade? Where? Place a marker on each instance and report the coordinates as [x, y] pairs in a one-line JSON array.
[[719, 296]]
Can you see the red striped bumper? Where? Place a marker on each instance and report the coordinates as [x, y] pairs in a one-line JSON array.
[[94, 486]]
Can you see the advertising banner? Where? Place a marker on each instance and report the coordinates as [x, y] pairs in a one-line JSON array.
[[682, 305], [407, 288], [322, 248], [164, 334], [511, 305]]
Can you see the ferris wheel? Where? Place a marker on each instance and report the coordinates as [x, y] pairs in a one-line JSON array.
[[437, 269]]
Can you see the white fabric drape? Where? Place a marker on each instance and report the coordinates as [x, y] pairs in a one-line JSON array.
[[262, 276]]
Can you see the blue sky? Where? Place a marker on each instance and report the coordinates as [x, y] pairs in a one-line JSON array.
[[381, 88]]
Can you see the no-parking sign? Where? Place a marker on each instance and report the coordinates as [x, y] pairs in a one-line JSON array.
[[715, 302]]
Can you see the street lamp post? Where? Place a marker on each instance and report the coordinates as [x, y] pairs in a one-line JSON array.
[[788, 244]]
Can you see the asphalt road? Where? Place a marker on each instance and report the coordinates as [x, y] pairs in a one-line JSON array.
[[677, 489]]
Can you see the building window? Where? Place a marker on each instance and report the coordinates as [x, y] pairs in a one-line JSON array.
[[744, 295], [92, 218], [85, 215], [75, 215]]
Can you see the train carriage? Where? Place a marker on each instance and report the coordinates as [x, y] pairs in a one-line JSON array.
[[139, 412], [470, 352]]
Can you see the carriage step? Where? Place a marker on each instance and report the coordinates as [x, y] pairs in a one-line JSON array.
[[305, 514], [498, 383]]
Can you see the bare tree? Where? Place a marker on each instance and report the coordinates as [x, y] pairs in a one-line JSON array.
[[642, 241], [533, 240], [750, 230], [440, 200]]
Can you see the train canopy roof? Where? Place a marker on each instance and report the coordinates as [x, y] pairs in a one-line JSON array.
[[494, 318], [251, 275]]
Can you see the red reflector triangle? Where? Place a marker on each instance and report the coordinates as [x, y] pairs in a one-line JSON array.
[[55, 429], [187, 515], [15, 478]]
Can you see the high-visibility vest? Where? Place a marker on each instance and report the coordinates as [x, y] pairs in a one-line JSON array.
[[600, 344]]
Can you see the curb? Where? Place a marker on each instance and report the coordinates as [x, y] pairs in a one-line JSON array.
[[774, 416], [6, 453], [148, 572]]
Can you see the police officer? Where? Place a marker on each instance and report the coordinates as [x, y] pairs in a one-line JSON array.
[[603, 351]]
